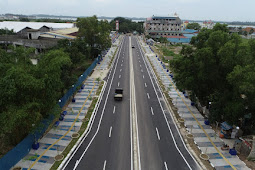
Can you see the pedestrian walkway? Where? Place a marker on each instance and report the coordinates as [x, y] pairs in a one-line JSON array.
[[58, 138], [204, 136]]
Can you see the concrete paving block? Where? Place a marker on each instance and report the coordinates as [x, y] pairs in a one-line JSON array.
[[51, 153], [205, 139], [201, 131], [38, 165], [51, 141], [193, 122]]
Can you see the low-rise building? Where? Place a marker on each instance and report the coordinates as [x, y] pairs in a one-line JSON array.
[[157, 26], [208, 24]]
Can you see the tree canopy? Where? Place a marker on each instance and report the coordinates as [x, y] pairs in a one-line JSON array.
[[127, 25], [219, 68], [29, 93], [95, 34], [194, 26]]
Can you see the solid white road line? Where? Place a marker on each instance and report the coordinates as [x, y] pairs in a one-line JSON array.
[[148, 95], [143, 76], [118, 84], [145, 84], [157, 134], [110, 132], [104, 165], [119, 76], [165, 165], [113, 110], [152, 111]]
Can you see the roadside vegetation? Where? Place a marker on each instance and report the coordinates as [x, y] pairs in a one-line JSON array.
[[7, 32], [194, 26], [29, 93], [127, 25], [218, 70]]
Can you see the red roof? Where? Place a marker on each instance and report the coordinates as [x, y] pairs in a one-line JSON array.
[[186, 22]]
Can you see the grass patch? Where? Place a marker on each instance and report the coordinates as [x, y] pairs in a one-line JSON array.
[[82, 129]]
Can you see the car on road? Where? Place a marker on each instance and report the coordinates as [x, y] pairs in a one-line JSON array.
[[118, 94]]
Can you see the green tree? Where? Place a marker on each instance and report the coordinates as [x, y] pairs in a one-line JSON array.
[[127, 26], [218, 69], [251, 31], [195, 26], [95, 34]]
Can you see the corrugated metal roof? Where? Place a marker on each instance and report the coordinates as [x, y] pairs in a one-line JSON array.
[[64, 33]]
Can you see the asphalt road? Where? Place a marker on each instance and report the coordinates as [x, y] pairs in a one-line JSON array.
[[108, 145], [156, 142]]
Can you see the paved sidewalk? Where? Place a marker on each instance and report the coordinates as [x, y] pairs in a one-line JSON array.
[[64, 131], [204, 136]]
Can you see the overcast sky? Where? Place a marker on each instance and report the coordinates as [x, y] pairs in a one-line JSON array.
[[220, 10]]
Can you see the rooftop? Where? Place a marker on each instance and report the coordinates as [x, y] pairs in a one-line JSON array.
[[69, 33]]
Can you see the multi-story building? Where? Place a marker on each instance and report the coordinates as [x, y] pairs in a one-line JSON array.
[[157, 27]]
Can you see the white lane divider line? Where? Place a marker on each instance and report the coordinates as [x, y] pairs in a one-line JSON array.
[[165, 165], [152, 111], [120, 69], [118, 84], [122, 61], [121, 65], [140, 65], [143, 76], [145, 84], [157, 134], [104, 165], [119, 76], [139, 61], [142, 70], [148, 95], [110, 132], [113, 110]]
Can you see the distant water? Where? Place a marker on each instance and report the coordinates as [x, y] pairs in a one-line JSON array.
[[17, 26]]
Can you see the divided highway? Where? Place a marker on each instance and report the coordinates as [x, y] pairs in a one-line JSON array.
[[132, 134]]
